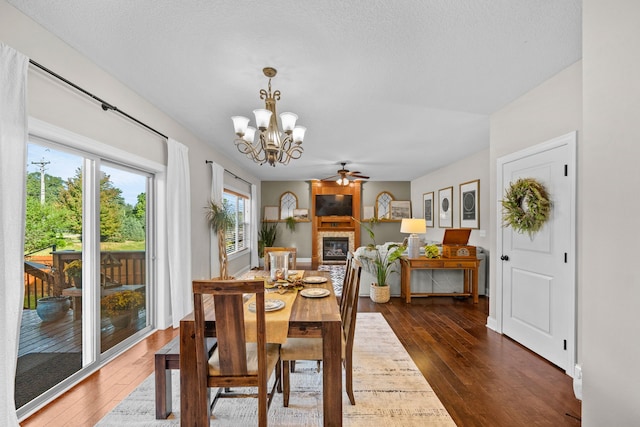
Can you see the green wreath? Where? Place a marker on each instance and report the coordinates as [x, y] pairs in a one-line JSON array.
[[526, 206]]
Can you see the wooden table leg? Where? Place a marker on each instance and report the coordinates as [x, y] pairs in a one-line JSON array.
[[331, 371], [194, 408]]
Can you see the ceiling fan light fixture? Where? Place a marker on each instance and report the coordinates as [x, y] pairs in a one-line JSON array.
[[273, 145]]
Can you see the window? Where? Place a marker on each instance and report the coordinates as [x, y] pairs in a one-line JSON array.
[[236, 235]]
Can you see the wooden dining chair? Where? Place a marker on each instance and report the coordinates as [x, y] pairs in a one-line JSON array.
[[311, 348], [235, 362], [346, 282], [292, 256]]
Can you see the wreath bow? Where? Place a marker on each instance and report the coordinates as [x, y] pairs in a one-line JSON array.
[[526, 206]]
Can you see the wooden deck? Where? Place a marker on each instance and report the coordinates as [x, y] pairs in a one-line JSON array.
[[65, 335]]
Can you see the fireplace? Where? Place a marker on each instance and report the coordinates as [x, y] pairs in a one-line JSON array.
[[335, 248]]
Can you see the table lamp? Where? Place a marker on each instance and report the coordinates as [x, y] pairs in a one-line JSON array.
[[413, 226]]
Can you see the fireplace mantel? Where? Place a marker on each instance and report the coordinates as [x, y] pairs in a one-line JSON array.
[[337, 226]]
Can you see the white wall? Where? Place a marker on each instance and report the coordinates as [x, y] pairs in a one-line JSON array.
[[552, 109], [55, 103], [609, 160], [470, 168]]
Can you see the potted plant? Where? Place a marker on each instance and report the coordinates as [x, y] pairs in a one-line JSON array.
[[74, 272], [266, 237], [291, 223], [121, 307], [380, 263], [221, 217]]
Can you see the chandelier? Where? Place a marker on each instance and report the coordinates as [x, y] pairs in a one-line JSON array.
[[273, 145]]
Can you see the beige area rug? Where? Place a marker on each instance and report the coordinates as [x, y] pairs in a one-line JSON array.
[[388, 387]]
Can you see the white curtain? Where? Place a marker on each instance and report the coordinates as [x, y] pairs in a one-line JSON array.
[[13, 153], [217, 188], [179, 230], [254, 226]]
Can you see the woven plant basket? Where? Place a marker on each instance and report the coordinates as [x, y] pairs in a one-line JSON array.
[[379, 294]]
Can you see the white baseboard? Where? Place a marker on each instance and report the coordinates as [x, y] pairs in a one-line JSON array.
[[492, 324], [577, 381]]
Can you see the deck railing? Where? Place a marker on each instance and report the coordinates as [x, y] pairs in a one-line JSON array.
[[45, 276]]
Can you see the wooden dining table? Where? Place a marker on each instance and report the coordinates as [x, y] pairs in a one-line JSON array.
[[310, 317]]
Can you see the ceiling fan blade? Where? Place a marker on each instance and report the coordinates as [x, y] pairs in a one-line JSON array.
[[332, 177], [354, 172], [359, 176]]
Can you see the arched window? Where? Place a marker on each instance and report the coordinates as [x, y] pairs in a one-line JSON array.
[[383, 205], [288, 202]]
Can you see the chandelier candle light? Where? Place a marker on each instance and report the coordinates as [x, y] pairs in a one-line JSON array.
[[273, 146], [413, 226]]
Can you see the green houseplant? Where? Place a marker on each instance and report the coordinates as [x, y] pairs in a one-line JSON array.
[[266, 236], [221, 217], [380, 264]]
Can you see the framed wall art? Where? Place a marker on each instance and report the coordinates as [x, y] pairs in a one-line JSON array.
[[445, 207], [271, 213], [400, 209], [301, 214], [470, 204], [427, 204]]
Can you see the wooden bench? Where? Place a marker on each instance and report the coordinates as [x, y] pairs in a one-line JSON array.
[[166, 359]]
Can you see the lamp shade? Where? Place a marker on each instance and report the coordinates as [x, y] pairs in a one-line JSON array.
[[298, 133], [262, 118], [249, 134], [413, 226], [288, 121], [240, 124]]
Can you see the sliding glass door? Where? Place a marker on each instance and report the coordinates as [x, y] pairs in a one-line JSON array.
[[87, 272]]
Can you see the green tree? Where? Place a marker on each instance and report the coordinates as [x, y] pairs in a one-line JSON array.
[[44, 225], [140, 209], [112, 207], [52, 186]]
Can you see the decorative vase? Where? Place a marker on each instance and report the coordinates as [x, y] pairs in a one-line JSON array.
[[50, 309], [77, 281], [121, 321], [379, 294]]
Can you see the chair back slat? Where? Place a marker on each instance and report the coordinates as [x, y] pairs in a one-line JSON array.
[[346, 284], [230, 332], [231, 335], [351, 309]]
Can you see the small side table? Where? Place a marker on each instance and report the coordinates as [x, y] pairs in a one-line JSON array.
[[470, 267], [76, 299]]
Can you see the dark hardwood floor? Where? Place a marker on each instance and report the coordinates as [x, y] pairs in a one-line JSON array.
[[481, 377]]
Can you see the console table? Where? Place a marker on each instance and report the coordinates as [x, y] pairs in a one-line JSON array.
[[470, 267]]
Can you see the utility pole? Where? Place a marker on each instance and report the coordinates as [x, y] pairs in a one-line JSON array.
[[42, 164]]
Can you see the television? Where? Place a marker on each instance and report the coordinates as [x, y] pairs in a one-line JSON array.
[[334, 204]]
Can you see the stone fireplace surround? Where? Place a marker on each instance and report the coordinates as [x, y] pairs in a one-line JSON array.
[[322, 234]]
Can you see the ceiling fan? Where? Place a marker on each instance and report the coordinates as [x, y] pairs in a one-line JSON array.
[[344, 175]]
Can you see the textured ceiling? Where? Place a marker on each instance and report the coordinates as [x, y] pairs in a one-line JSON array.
[[397, 88]]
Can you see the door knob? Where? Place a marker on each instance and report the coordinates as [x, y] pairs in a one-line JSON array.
[[504, 257]]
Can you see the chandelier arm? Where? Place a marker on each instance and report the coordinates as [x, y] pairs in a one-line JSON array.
[[254, 152]]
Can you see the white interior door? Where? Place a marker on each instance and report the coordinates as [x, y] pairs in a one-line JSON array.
[[538, 272]]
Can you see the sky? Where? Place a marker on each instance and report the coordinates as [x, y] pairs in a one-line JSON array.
[[64, 165]]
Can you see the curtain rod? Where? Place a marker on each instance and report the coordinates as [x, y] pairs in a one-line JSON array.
[[229, 172], [105, 105]]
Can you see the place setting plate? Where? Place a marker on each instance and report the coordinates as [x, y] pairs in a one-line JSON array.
[[315, 279], [315, 292], [269, 305]]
